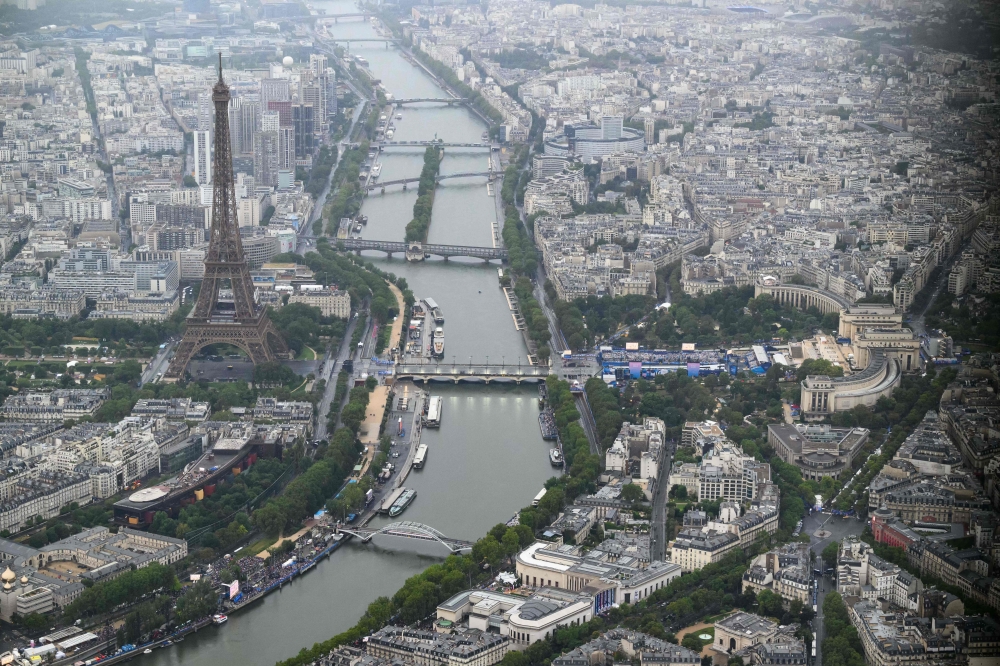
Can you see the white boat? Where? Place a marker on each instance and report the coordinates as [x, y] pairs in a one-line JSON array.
[[433, 419], [389, 134], [403, 501], [376, 170], [437, 346], [435, 310], [219, 618], [399, 116], [420, 457]]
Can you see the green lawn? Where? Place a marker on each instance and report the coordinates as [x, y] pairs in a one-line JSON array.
[[307, 354], [258, 546]]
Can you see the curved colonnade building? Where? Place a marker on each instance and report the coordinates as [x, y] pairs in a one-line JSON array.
[[895, 351]]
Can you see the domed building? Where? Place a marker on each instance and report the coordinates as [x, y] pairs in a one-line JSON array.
[[40, 580]]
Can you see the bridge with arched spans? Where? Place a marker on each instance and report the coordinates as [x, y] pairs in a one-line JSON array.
[[336, 17], [440, 100], [415, 251], [362, 40], [409, 530], [322, 18], [443, 144], [472, 373], [405, 181]]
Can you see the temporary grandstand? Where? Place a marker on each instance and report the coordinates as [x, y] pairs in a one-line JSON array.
[[644, 363]]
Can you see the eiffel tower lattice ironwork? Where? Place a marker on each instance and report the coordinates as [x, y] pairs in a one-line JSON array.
[[241, 323]]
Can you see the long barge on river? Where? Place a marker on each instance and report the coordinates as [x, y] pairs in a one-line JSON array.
[[433, 417], [421, 457], [403, 501], [547, 424], [390, 499], [435, 310]]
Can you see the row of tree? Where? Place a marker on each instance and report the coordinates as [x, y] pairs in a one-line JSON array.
[[126, 588], [416, 229], [522, 257], [534, 317], [303, 325], [215, 515], [841, 644], [320, 172], [365, 282], [347, 201], [50, 335]]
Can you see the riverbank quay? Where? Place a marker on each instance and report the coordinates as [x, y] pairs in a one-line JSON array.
[[417, 59], [264, 579], [120, 655]]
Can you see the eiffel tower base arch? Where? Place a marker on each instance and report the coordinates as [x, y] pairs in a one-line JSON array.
[[261, 341]]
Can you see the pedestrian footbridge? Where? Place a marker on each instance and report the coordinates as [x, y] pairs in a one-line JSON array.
[[409, 530]]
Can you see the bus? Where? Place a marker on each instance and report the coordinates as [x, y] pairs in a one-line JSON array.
[[538, 497]]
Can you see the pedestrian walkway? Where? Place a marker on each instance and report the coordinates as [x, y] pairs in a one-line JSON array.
[[373, 417], [266, 553], [403, 317]]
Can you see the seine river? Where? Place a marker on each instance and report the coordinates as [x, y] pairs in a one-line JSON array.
[[485, 462]]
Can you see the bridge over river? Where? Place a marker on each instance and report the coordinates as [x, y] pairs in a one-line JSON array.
[[419, 251], [443, 144], [440, 100], [403, 181], [480, 373], [409, 530]]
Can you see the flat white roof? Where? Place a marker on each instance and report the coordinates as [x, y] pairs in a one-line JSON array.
[[528, 557]]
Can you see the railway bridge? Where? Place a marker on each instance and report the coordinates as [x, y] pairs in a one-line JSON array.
[[404, 181]]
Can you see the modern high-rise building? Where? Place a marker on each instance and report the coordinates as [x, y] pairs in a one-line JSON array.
[[303, 121], [204, 112], [274, 90], [286, 148], [203, 157], [244, 122], [265, 157], [611, 127], [322, 74], [269, 122], [331, 93], [313, 95], [284, 111]]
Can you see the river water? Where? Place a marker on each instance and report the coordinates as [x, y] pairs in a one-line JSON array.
[[486, 461]]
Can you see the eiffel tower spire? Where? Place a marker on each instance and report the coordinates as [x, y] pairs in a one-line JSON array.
[[240, 322]]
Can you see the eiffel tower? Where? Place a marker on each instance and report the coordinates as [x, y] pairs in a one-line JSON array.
[[241, 322]]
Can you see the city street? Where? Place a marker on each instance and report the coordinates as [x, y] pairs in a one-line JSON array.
[[329, 374], [159, 363], [832, 528], [306, 237], [658, 520]]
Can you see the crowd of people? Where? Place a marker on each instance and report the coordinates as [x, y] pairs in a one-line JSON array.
[[257, 574], [547, 423], [707, 356]]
